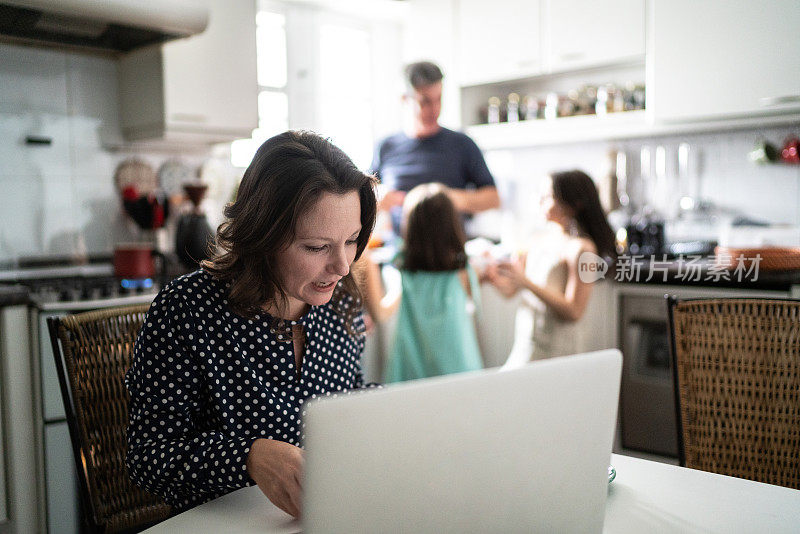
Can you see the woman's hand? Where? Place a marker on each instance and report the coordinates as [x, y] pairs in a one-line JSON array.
[[510, 276], [502, 283], [277, 467]]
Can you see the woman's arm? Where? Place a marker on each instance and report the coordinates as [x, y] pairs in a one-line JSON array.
[[379, 305], [474, 200], [174, 450], [570, 305]]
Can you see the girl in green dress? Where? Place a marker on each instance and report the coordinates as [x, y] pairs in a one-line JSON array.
[[436, 308]]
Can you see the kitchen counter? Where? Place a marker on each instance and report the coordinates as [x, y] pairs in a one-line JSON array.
[[11, 295]]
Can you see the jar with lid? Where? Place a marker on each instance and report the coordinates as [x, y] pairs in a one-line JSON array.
[[617, 100], [551, 106], [584, 99], [512, 108], [493, 114], [637, 96], [530, 107], [601, 104]]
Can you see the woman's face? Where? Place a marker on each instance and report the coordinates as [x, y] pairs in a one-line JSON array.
[[553, 209], [321, 253]]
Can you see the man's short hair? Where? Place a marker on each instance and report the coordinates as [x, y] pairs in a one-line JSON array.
[[422, 74]]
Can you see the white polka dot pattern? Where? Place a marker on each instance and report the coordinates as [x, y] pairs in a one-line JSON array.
[[206, 382]]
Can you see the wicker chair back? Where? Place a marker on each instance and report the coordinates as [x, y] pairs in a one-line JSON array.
[[737, 376], [93, 351]]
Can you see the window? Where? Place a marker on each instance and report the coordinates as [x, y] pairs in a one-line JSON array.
[[273, 100], [346, 90], [334, 84]]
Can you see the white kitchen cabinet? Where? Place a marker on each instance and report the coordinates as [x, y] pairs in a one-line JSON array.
[[585, 33], [32, 79], [723, 59], [202, 89], [63, 495], [498, 42], [3, 483]]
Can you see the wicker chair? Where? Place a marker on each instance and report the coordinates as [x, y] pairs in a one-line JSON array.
[[736, 366], [92, 352]]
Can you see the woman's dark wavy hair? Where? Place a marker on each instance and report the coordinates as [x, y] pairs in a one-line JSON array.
[[288, 174], [577, 190], [432, 230]]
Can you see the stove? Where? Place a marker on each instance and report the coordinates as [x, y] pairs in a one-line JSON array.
[[79, 288]]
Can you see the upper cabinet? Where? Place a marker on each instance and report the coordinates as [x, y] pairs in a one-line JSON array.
[[498, 42], [583, 33], [723, 59], [202, 89], [513, 39]]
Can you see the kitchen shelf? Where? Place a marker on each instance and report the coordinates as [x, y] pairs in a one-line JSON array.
[[557, 131], [611, 127]]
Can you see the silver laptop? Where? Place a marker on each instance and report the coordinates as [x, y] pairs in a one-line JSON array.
[[525, 450]]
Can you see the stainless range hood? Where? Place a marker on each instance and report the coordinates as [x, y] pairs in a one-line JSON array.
[[109, 25]]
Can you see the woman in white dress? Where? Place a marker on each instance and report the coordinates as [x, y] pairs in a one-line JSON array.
[[555, 297]]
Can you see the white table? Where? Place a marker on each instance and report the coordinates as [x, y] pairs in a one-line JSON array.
[[646, 497]]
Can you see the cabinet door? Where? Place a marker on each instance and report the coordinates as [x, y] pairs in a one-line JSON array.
[[724, 58], [500, 41], [63, 497], [3, 509], [52, 400], [584, 33], [210, 81]]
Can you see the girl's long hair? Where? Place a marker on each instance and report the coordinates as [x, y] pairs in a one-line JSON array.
[[432, 231], [576, 189]]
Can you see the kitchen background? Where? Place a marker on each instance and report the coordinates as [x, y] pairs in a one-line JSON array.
[[720, 78], [60, 198]]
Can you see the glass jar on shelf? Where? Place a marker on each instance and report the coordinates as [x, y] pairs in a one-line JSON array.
[[601, 104], [617, 99], [512, 108], [585, 99], [493, 113], [531, 108]]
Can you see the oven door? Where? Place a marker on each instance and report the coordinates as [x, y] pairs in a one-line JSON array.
[[647, 399]]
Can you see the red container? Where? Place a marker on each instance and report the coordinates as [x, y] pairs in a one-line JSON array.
[[134, 261]]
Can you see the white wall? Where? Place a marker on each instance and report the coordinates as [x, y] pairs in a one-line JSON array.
[[61, 199], [430, 35], [727, 177]]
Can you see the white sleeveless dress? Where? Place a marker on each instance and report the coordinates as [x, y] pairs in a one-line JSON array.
[[539, 333]]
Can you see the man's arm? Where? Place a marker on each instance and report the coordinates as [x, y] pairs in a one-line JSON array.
[[474, 200]]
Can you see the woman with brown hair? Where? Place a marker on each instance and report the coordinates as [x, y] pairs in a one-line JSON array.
[[228, 354], [435, 332]]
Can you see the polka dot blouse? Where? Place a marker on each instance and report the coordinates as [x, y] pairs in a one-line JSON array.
[[206, 382]]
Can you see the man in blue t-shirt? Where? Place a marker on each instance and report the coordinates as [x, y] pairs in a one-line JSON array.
[[427, 152]]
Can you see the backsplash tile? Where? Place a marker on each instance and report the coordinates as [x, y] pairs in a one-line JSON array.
[[60, 199], [17, 157], [23, 209], [32, 79], [727, 177]]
